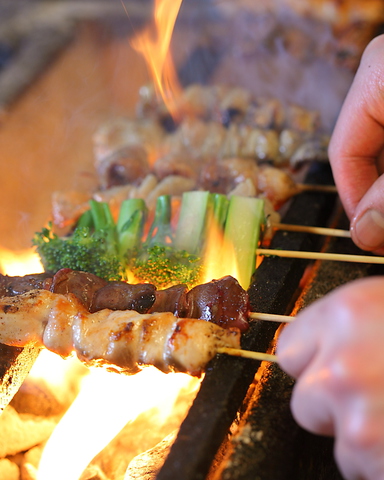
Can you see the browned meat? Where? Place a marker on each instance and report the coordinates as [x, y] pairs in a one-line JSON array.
[[276, 185], [172, 299], [10, 286], [222, 301], [81, 284], [67, 207], [178, 163], [127, 165], [123, 340], [223, 175], [124, 296]]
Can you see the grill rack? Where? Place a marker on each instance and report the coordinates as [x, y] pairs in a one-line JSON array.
[[273, 290]]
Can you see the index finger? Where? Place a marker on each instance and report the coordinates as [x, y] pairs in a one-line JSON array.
[[358, 137]]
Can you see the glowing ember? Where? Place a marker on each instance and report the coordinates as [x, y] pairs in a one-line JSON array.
[[106, 403], [18, 263], [154, 46]]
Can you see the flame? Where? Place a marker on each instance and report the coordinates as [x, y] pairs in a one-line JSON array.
[[219, 255], [21, 262], [107, 401], [153, 43]]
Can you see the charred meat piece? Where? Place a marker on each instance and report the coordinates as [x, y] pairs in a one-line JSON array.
[[124, 296], [172, 299], [83, 285], [223, 175], [10, 286], [222, 301], [123, 340]]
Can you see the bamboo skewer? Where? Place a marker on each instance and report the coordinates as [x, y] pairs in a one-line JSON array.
[[332, 232], [237, 352], [340, 257], [271, 317], [307, 187]]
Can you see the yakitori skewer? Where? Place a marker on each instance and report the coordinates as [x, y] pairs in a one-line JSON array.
[[309, 187], [271, 317], [238, 352], [340, 257], [331, 232]]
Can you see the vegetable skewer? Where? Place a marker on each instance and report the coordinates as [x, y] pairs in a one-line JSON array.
[[332, 232], [340, 257]]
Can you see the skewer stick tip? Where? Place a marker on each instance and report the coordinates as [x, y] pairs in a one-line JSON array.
[[237, 352]]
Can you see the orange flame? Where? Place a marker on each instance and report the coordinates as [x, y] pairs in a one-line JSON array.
[[18, 263], [107, 401], [219, 255], [154, 46]]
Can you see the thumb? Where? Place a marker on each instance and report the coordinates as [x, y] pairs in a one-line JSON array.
[[367, 225]]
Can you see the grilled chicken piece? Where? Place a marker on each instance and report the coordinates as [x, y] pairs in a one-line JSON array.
[[127, 165], [276, 185], [123, 340]]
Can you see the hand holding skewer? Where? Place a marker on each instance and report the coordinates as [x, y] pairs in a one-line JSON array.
[[334, 349], [355, 151]]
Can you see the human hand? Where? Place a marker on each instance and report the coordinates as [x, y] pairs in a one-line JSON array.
[[335, 350], [356, 151]]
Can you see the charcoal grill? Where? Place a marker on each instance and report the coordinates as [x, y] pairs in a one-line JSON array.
[[237, 428]]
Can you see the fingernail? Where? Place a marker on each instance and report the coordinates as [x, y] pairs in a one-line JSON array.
[[369, 229]]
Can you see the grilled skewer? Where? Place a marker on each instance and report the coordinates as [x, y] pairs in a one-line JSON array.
[[122, 340], [222, 301]]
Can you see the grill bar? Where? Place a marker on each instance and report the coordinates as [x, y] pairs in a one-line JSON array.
[[227, 379]]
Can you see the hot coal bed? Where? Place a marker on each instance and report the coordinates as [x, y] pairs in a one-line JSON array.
[[239, 428]]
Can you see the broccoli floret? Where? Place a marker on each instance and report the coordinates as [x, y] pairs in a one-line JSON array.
[[98, 244], [165, 266], [158, 261], [85, 250]]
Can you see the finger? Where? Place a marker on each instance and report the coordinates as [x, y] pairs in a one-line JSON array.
[[358, 139], [311, 403], [359, 441], [367, 225], [298, 342]]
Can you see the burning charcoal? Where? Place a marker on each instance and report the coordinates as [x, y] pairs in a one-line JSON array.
[[124, 296], [93, 472], [82, 284], [9, 470], [222, 301], [148, 464], [21, 432]]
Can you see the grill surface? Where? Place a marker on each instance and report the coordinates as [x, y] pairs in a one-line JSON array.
[[227, 379]]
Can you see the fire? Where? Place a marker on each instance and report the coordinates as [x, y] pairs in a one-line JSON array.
[[17, 263], [219, 255], [107, 401], [154, 46]]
